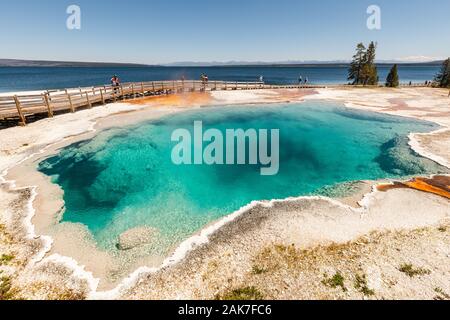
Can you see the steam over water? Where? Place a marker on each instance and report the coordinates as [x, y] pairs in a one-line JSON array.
[[124, 178]]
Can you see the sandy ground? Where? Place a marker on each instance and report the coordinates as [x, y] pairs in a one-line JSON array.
[[265, 249], [233, 257]]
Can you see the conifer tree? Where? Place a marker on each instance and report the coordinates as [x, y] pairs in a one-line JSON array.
[[356, 66], [392, 78], [362, 68], [443, 77], [370, 75]]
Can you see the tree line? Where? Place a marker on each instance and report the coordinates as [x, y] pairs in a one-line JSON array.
[[363, 69]]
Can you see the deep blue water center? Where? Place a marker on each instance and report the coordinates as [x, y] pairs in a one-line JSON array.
[[124, 177]]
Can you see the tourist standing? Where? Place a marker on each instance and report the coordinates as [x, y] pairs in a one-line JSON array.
[[204, 79], [115, 83]]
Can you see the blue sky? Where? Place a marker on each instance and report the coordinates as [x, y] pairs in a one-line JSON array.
[[162, 31]]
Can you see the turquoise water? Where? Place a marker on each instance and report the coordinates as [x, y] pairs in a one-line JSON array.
[[124, 177]]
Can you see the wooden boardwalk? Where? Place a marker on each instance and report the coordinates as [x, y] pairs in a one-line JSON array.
[[46, 104], [20, 108]]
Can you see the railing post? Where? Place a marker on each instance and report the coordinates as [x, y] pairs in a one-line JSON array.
[[142, 89], [102, 96], [153, 86], [88, 100], [47, 103], [72, 109], [23, 121], [132, 91]]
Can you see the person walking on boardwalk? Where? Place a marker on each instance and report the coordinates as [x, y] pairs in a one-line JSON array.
[[300, 80], [115, 83], [204, 79], [306, 80], [114, 80], [261, 79]]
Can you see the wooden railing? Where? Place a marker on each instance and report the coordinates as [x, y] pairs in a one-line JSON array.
[[21, 107], [49, 102]]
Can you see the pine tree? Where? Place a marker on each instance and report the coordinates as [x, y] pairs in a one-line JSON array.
[[373, 79], [443, 77], [362, 68], [370, 74], [392, 78], [356, 66]]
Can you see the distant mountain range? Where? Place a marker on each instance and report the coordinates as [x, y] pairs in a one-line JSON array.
[[43, 63], [306, 63], [253, 63]]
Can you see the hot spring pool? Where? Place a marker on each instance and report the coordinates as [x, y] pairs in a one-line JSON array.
[[124, 178]]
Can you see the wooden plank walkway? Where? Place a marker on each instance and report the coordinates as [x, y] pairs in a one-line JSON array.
[[46, 104], [20, 107]]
